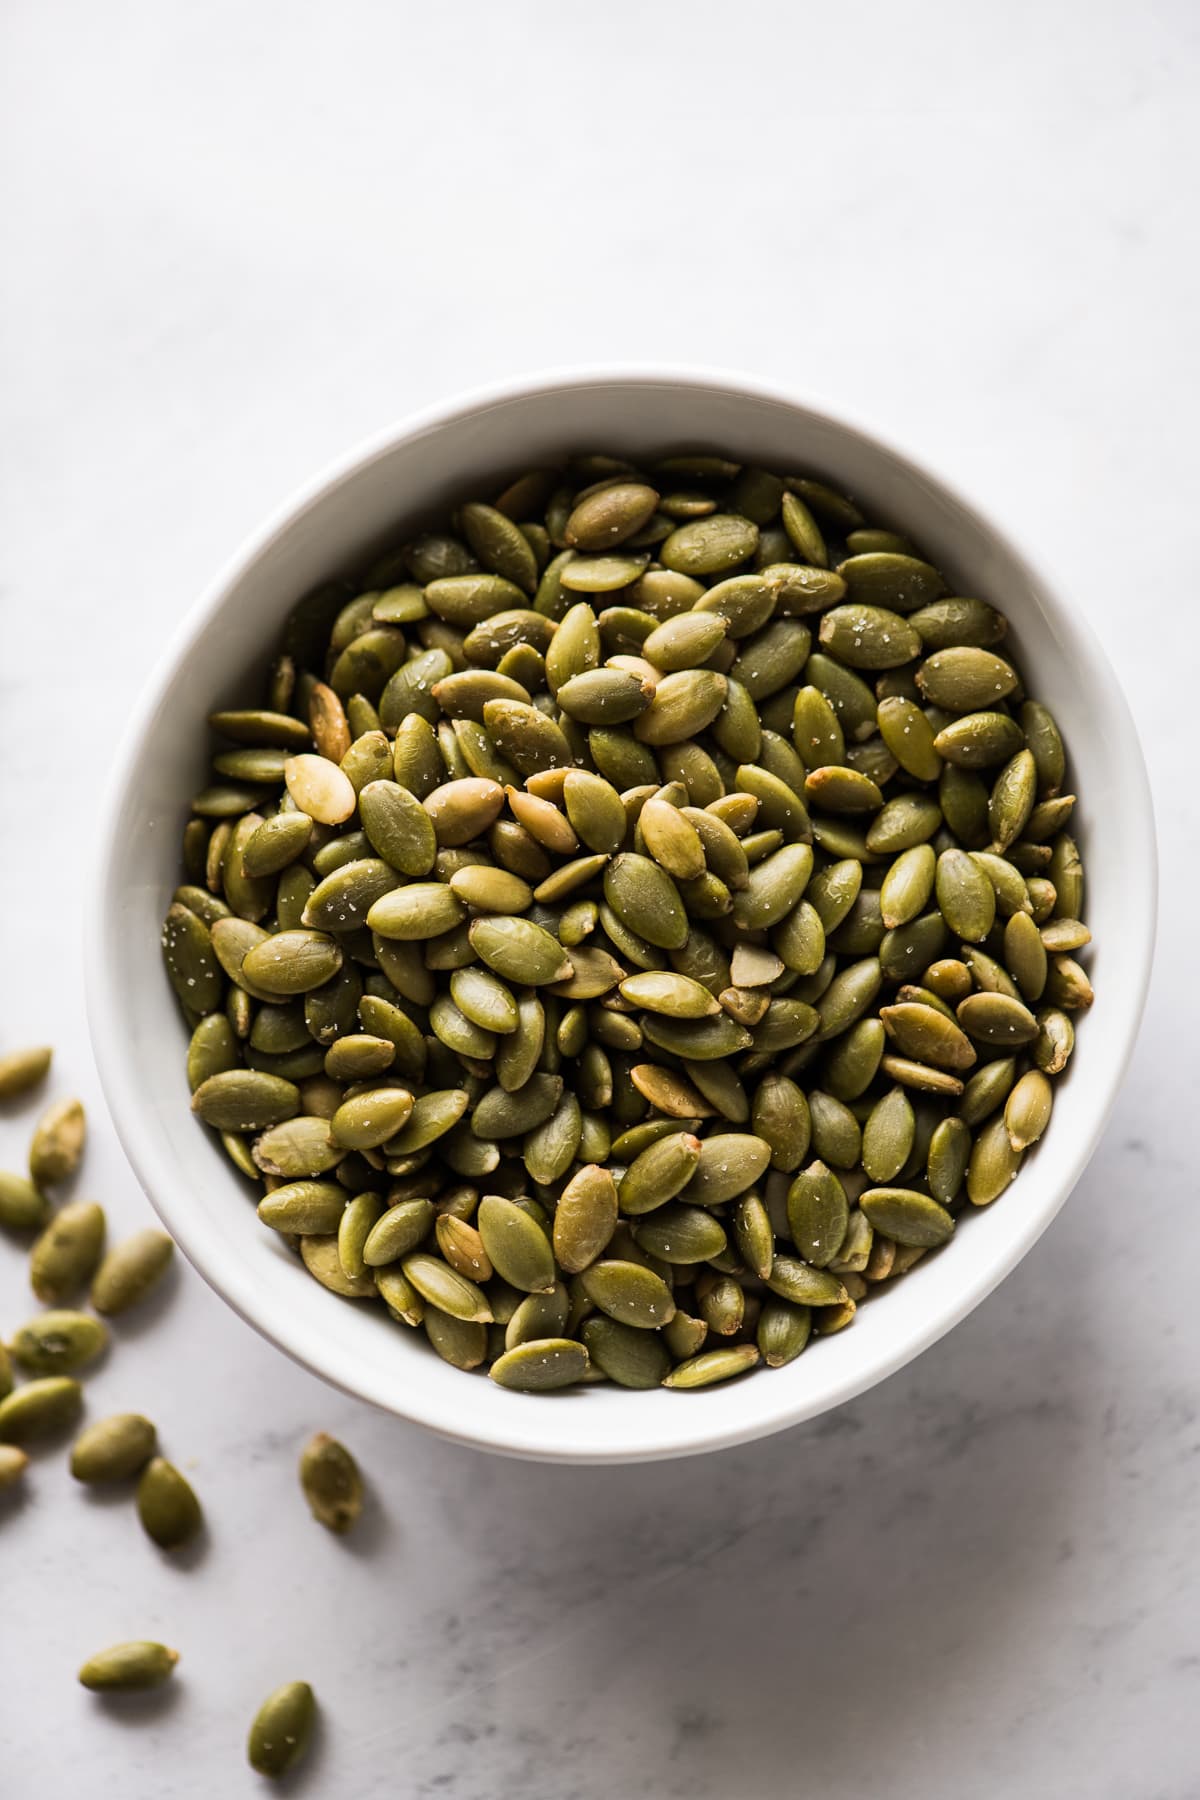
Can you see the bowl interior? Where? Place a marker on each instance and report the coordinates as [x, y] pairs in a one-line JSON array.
[[375, 499]]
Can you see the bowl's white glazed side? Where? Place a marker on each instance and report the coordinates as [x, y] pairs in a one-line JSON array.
[[140, 1038]]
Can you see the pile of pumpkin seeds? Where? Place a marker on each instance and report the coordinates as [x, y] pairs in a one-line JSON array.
[[60, 1343], [640, 916]]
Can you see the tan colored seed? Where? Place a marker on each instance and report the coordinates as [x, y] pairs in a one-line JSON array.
[[320, 788]]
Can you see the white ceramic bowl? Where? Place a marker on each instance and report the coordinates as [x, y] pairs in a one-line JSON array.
[[369, 499]]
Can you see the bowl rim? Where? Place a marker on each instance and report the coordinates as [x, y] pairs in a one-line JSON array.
[[103, 996]]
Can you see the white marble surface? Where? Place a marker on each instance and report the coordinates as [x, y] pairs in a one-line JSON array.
[[239, 237]]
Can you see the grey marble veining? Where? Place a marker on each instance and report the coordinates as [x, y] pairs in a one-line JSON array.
[[237, 239]]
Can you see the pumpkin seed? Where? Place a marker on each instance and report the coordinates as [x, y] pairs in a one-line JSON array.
[[167, 1505], [331, 1482], [629, 1293], [21, 1070], [66, 1255], [541, 1365], [130, 1271], [1027, 1109], [907, 1216], [57, 1147], [124, 1668], [113, 1449], [58, 1343], [712, 1365], [994, 1162], [282, 1729], [39, 1407]]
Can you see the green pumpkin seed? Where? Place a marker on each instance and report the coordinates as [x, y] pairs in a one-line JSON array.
[[518, 950], [1046, 745], [113, 1449], [676, 995], [370, 1118], [282, 1729], [659, 1172], [130, 1667], [818, 1214], [399, 1230], [797, 589], [920, 1075], [131, 1270], [848, 996], [423, 909], [1027, 1109], [781, 1119], [677, 1233], [685, 641], [684, 704], [398, 827], [297, 1147], [462, 810], [979, 740], [997, 1019], [803, 1285], [1054, 1042], [816, 732], [924, 1034], [646, 900], [39, 1407], [304, 1207], [783, 1331], [729, 1163], [58, 1343], [358, 1056], [292, 962], [1067, 984], [331, 1483], [1025, 954], [884, 578], [836, 1134], [192, 968], [888, 1137], [441, 1286], [462, 1343], [869, 637], [585, 1218], [987, 1089], [965, 679], [167, 1505], [65, 1256], [672, 840], [631, 1358], [629, 1293], [948, 622], [773, 888], [907, 1216], [712, 1365], [541, 1365], [965, 895], [601, 574], [909, 736], [1065, 870], [803, 530], [949, 1152], [245, 1100], [994, 1163], [709, 546], [517, 1247], [21, 1070]]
